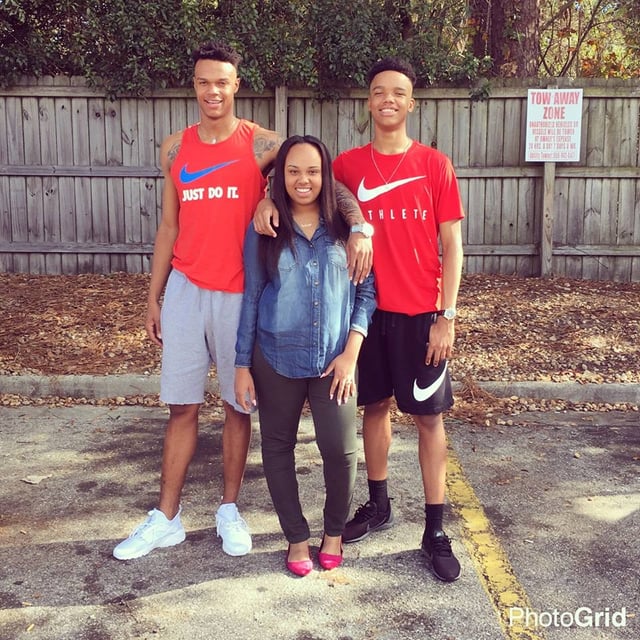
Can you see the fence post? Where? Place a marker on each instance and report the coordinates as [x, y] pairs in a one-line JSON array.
[[546, 237], [281, 107]]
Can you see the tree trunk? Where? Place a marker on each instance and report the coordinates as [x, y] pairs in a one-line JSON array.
[[507, 31]]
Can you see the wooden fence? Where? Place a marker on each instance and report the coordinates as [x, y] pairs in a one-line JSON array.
[[80, 188]]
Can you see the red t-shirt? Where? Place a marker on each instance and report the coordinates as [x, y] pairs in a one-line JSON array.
[[405, 198], [219, 186]]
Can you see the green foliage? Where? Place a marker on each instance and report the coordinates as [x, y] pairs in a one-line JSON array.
[[590, 38], [130, 47]]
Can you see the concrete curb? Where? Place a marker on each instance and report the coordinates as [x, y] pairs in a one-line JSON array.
[[96, 387]]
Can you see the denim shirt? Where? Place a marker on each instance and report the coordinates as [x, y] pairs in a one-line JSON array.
[[301, 318]]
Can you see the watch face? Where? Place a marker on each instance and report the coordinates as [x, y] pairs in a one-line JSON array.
[[365, 229], [449, 314]]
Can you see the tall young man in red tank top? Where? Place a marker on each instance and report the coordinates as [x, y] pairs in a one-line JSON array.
[[214, 176]]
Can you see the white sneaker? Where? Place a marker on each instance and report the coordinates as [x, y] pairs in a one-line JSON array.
[[236, 539], [155, 531]]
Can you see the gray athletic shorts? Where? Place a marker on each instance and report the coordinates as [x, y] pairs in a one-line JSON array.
[[199, 329]]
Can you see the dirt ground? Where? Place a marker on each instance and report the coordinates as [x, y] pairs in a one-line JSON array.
[[509, 328]]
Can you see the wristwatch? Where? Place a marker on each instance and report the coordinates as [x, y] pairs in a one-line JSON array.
[[365, 229], [449, 313]]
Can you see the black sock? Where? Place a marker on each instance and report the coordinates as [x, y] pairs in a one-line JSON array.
[[378, 493], [433, 517]]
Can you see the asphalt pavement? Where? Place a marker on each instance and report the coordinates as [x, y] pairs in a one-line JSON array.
[[544, 516]]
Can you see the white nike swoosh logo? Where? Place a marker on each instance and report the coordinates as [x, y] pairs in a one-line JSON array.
[[421, 394], [364, 194]]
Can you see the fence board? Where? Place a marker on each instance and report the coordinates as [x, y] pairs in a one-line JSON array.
[[512, 126], [527, 224], [129, 132], [329, 131], [15, 132], [63, 129], [445, 127], [595, 133], [592, 224], [478, 134], [509, 222], [492, 222], [84, 226], [31, 131], [113, 135], [413, 122], [35, 222], [51, 221], [97, 138], [561, 220], [495, 133], [575, 225], [19, 221], [68, 221], [635, 263], [147, 155], [47, 131], [99, 222], [296, 121], [363, 126], [313, 117], [429, 122], [461, 133], [4, 132], [6, 259]]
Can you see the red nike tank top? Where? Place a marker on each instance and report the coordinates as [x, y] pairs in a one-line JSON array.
[[219, 186]]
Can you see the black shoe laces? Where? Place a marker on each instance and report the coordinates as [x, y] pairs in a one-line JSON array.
[[365, 512], [440, 546]]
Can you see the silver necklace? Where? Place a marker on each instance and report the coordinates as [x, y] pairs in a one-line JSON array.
[[233, 128], [393, 173]]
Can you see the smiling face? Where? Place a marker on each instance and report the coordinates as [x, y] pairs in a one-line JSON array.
[[216, 84], [303, 176], [390, 99]]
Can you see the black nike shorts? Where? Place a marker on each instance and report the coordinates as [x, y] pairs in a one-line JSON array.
[[391, 363]]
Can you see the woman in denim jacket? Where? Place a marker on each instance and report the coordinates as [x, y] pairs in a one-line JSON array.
[[301, 327]]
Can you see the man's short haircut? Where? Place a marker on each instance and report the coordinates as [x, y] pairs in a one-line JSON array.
[[392, 64], [217, 51]]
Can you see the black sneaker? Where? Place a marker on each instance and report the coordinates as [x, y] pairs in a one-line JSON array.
[[367, 518], [437, 547]]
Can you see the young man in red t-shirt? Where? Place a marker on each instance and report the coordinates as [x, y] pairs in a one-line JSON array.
[[409, 196]]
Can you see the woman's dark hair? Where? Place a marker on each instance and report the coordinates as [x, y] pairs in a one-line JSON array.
[[337, 228]]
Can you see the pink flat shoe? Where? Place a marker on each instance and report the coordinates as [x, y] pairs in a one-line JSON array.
[[299, 567], [329, 561]]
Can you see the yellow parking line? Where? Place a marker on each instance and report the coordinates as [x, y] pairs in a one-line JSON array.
[[489, 558]]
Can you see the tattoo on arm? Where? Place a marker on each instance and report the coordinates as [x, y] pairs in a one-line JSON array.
[[173, 152], [348, 205], [263, 145], [266, 146]]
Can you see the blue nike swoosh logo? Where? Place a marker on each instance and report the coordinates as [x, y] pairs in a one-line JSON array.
[[187, 176], [364, 194]]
